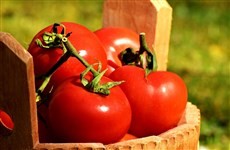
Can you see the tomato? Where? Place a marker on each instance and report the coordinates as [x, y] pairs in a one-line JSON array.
[[115, 40], [157, 100], [6, 123], [44, 133], [127, 137], [77, 115], [84, 41]]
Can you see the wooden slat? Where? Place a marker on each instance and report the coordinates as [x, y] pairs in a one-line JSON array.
[[150, 16], [17, 93], [70, 146]]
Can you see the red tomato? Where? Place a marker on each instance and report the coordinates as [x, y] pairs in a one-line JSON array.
[[127, 137], [6, 123], [77, 115], [115, 40], [84, 41], [44, 133], [157, 100]]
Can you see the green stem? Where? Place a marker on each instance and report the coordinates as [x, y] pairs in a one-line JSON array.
[[144, 58], [70, 48], [63, 59], [143, 43], [54, 39], [70, 51], [41, 88], [150, 58], [49, 74]]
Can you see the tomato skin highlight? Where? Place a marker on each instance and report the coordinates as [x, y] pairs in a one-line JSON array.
[[85, 42], [77, 115], [157, 101], [116, 40]]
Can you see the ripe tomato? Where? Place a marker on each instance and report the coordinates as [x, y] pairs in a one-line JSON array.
[[77, 115], [84, 41], [44, 133], [127, 137], [115, 40], [6, 123], [157, 100]]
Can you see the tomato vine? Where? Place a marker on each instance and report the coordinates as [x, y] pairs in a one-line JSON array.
[[55, 39]]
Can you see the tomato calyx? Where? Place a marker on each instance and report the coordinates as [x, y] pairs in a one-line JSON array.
[[94, 85], [54, 39], [144, 58]]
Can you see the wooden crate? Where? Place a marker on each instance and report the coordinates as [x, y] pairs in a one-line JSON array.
[[17, 87]]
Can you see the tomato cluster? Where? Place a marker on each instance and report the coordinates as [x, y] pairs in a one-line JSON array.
[[93, 94]]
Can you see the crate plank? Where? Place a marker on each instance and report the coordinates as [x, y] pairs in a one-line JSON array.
[[17, 93]]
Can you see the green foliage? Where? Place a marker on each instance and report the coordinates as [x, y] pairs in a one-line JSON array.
[[199, 49], [23, 19], [199, 53]]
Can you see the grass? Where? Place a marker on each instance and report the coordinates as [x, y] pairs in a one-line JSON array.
[[23, 19], [199, 53], [199, 49]]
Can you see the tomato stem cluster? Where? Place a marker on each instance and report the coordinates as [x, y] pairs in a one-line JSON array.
[[144, 58], [60, 40]]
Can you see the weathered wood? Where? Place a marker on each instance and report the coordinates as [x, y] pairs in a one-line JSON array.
[[17, 93], [150, 16], [70, 146]]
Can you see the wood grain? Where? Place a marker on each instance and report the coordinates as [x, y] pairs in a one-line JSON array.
[[17, 93]]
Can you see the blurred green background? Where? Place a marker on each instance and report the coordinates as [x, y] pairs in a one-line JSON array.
[[199, 49]]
